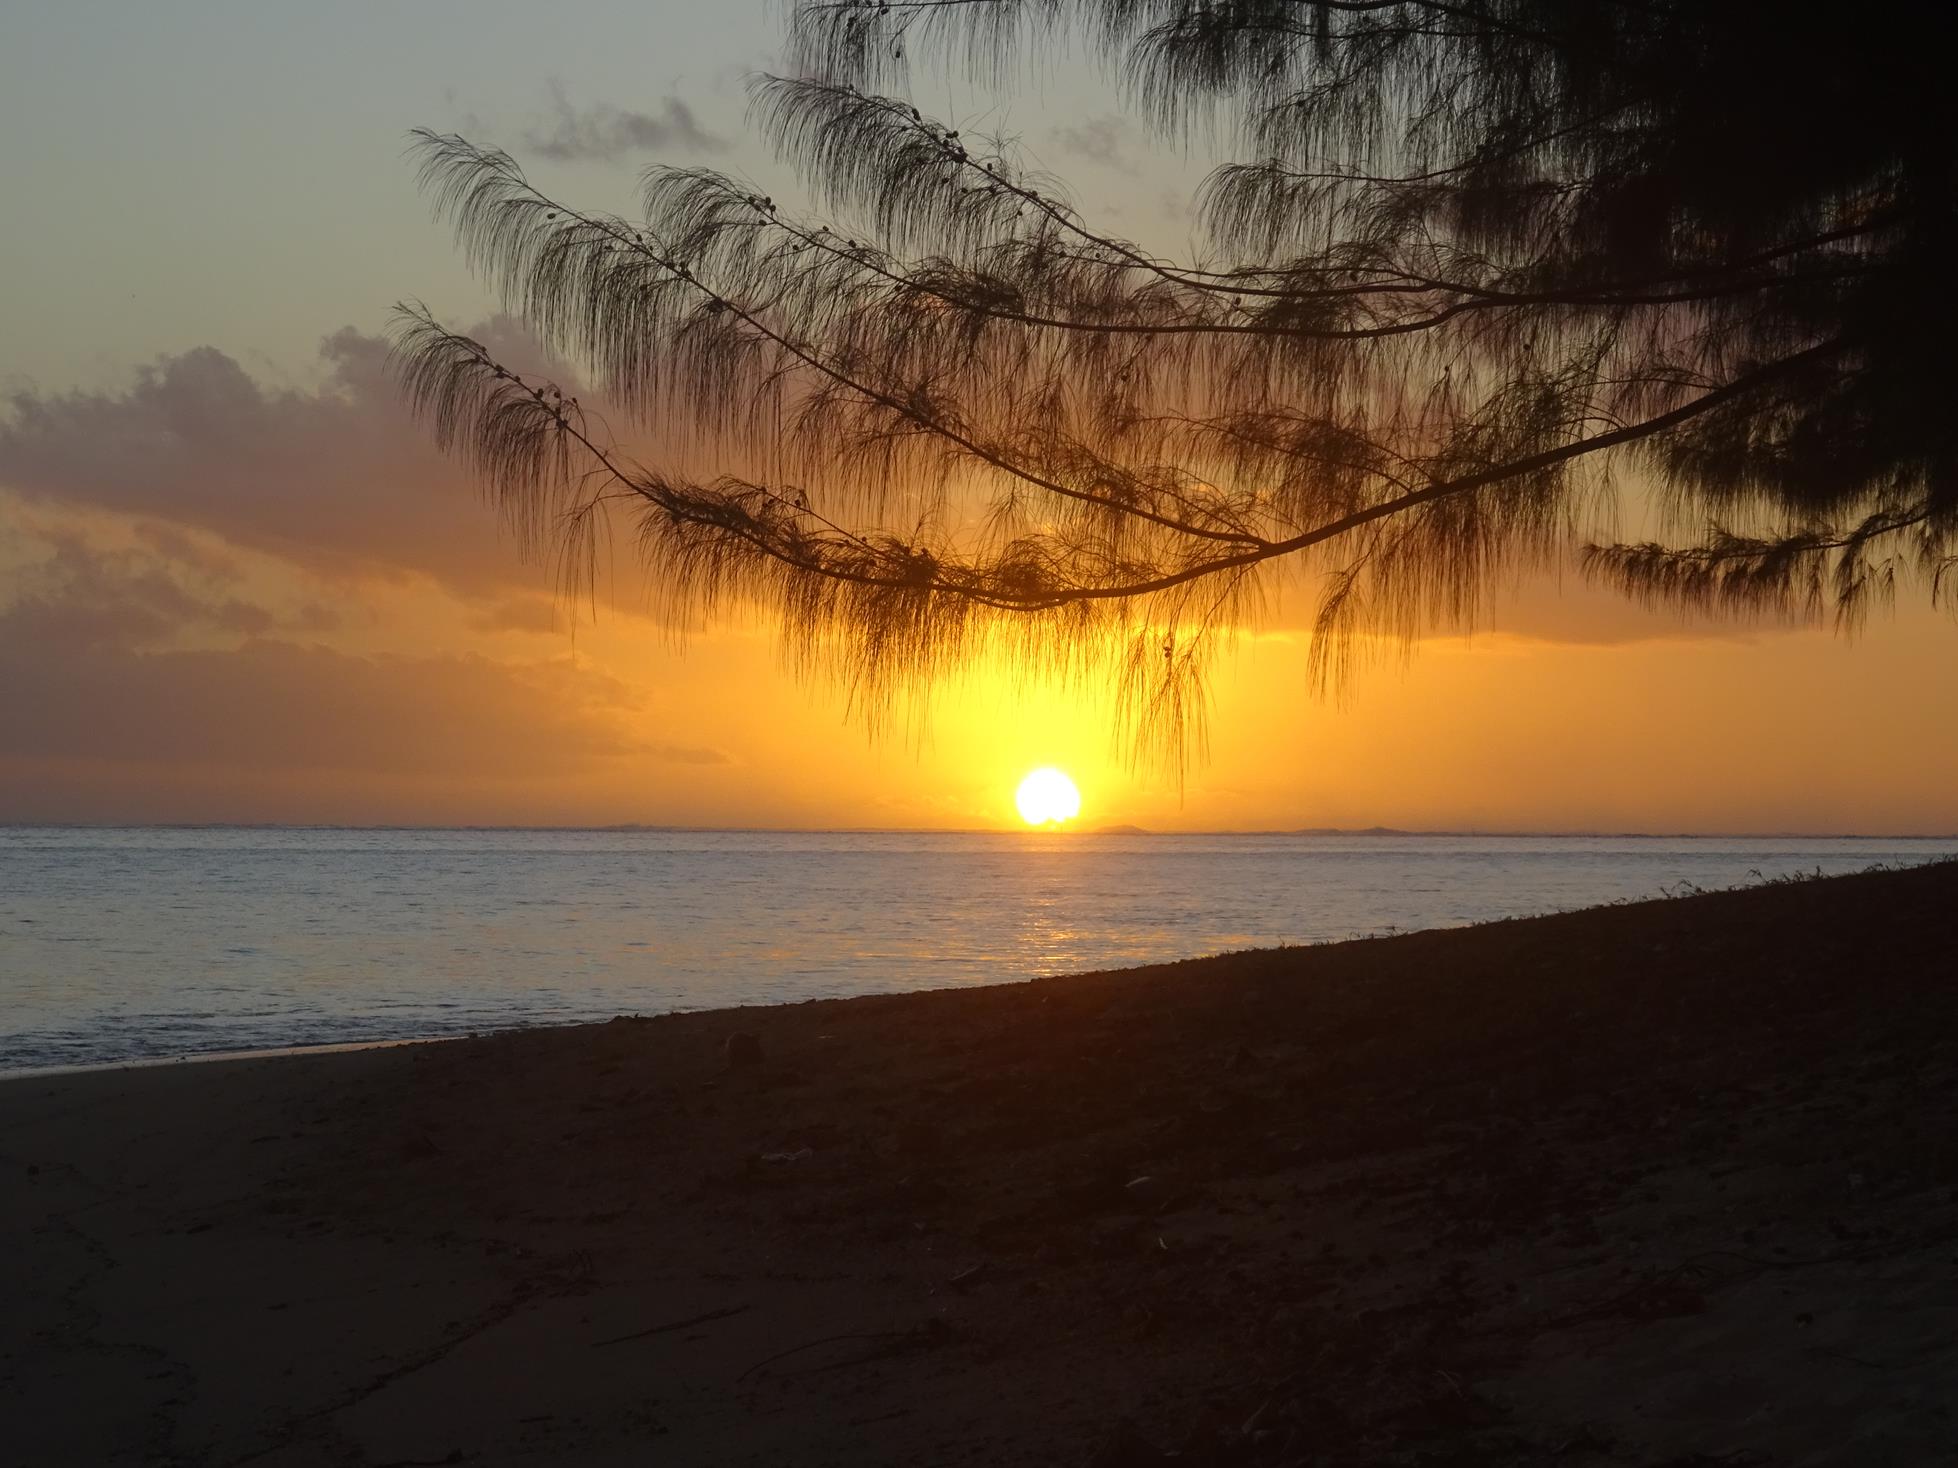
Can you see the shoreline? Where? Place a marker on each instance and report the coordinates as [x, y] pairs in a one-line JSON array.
[[600, 1015], [1627, 1184], [268, 1052]]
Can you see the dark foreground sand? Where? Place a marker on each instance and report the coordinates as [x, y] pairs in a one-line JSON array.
[[1674, 1183]]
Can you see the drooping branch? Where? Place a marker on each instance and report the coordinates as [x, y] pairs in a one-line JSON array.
[[1489, 258], [1801, 574]]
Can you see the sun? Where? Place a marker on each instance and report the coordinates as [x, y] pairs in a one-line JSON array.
[[1047, 797]]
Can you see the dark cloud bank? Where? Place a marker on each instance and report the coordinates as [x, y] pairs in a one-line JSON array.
[[159, 658], [338, 480], [97, 685]]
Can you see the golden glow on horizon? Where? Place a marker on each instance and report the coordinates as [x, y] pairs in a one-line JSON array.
[[417, 702], [1047, 797]]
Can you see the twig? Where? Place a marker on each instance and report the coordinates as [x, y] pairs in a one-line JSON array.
[[918, 1333], [673, 1325], [1845, 1356], [1696, 1267]]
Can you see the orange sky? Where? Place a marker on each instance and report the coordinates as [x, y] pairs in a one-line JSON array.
[[237, 584], [230, 602]]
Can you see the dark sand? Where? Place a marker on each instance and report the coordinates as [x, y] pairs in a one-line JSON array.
[[1672, 1183]]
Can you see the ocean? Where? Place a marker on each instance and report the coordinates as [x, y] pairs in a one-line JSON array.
[[157, 942]]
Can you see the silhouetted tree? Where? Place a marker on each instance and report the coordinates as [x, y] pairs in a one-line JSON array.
[[1487, 253]]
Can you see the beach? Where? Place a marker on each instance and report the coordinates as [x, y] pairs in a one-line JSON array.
[[1662, 1183]]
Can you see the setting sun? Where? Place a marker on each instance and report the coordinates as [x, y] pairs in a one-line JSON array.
[[1047, 797]]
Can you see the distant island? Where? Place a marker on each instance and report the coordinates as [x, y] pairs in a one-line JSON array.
[[1301, 831], [636, 828]]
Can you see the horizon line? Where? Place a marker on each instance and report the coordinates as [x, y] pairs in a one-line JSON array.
[[1112, 829]]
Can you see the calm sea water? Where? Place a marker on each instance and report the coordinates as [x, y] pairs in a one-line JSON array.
[[145, 943]]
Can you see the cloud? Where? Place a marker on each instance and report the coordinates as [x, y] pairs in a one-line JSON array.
[[1574, 610], [338, 479], [79, 596], [518, 613], [1099, 140], [139, 663], [605, 134], [281, 705], [83, 688]]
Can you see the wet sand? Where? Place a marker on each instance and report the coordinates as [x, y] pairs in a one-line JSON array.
[[1670, 1183]]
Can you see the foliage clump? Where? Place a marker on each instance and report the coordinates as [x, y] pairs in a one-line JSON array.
[[1483, 256]]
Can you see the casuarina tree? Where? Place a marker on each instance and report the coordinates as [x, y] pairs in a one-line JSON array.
[[1479, 265]]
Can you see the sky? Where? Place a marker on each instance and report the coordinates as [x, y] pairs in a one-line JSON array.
[[238, 584]]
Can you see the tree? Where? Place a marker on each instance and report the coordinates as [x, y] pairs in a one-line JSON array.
[[1485, 257]]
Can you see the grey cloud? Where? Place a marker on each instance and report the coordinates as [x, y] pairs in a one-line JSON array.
[[1572, 609], [272, 705], [604, 133], [338, 480], [99, 682], [537, 614], [687, 754], [79, 597], [1100, 140], [281, 705], [1559, 605]]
